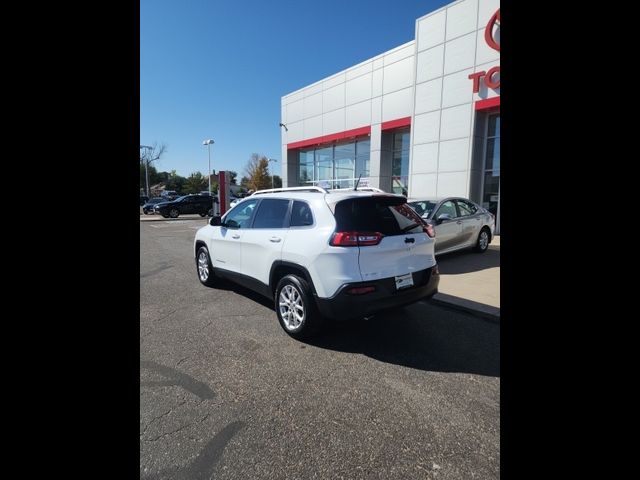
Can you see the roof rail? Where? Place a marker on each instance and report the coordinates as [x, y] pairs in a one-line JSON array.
[[291, 189], [359, 189]]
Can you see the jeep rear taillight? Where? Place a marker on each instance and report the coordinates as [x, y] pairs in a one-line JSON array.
[[429, 230], [355, 239]]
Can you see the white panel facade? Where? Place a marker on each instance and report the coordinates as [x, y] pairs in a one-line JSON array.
[[295, 133], [486, 8], [397, 105], [423, 185], [456, 122], [404, 52], [425, 158], [313, 105], [295, 111], [358, 115], [312, 127], [426, 128], [428, 96], [452, 184], [430, 64], [376, 110], [454, 155], [333, 98], [313, 89], [459, 53], [358, 89], [431, 30], [462, 18], [333, 81], [333, 122], [398, 75], [456, 89], [484, 53], [376, 83], [359, 70]]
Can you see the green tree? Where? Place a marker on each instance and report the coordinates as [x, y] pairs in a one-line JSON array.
[[175, 182], [277, 181], [257, 172], [232, 177], [195, 183]]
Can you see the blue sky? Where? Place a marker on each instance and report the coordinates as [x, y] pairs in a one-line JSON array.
[[218, 69]]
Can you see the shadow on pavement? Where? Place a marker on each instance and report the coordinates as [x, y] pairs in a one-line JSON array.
[[421, 336], [467, 261]]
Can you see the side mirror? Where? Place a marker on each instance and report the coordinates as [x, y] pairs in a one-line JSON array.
[[443, 217], [215, 221]]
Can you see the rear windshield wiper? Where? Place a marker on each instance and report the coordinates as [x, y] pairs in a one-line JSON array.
[[413, 225]]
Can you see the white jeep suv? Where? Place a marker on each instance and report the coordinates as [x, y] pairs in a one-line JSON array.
[[321, 254]]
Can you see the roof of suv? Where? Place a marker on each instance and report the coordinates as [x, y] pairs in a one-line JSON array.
[[330, 196]]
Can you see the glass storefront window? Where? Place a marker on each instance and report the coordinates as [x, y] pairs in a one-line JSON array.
[[491, 190], [338, 164], [400, 162]]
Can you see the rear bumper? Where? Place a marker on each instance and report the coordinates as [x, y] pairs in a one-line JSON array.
[[343, 305]]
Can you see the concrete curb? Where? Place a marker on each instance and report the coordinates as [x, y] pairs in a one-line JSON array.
[[486, 312]]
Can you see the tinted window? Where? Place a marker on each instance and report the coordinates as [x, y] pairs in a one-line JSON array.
[[466, 208], [389, 216], [449, 208], [423, 208], [301, 215], [240, 216], [272, 213]]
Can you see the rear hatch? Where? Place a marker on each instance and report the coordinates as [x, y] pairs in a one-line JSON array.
[[392, 239]]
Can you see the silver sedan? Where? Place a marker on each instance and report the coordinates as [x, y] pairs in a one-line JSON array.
[[459, 223]]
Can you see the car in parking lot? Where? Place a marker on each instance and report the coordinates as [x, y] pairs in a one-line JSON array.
[[147, 208], [458, 222], [187, 204], [321, 254]]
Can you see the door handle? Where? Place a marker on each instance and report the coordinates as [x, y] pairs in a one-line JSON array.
[[459, 222], [409, 240], [275, 239], [235, 236]]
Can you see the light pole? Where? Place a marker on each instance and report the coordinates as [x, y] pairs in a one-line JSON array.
[[272, 160], [208, 144], [146, 166]]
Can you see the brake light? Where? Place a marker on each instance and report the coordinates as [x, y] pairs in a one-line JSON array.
[[361, 290], [354, 239], [429, 230]]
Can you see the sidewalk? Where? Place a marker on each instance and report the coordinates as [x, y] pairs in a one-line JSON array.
[[470, 281]]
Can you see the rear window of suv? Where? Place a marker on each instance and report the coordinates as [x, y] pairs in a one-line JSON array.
[[387, 215]]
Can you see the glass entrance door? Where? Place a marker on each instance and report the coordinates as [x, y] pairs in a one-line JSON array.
[[491, 183]]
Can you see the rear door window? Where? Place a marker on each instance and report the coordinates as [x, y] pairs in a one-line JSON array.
[[272, 213], [387, 215], [301, 215]]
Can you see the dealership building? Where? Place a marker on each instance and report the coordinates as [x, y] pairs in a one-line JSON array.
[[422, 119]]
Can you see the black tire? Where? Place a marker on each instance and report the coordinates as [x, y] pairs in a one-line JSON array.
[[210, 212], [203, 214], [174, 213], [484, 237], [164, 215], [146, 212], [205, 272], [311, 319]]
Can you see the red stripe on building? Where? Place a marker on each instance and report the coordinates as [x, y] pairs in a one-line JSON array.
[[488, 103], [400, 122], [330, 138]]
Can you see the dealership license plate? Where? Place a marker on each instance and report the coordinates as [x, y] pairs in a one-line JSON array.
[[404, 281]]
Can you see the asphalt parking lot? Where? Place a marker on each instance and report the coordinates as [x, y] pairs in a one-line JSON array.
[[225, 393]]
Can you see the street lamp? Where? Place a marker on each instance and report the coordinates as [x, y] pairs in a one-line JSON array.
[[146, 166], [208, 144], [272, 160]]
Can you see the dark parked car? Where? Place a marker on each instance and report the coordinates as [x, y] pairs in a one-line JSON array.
[[189, 204], [143, 199], [147, 208]]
